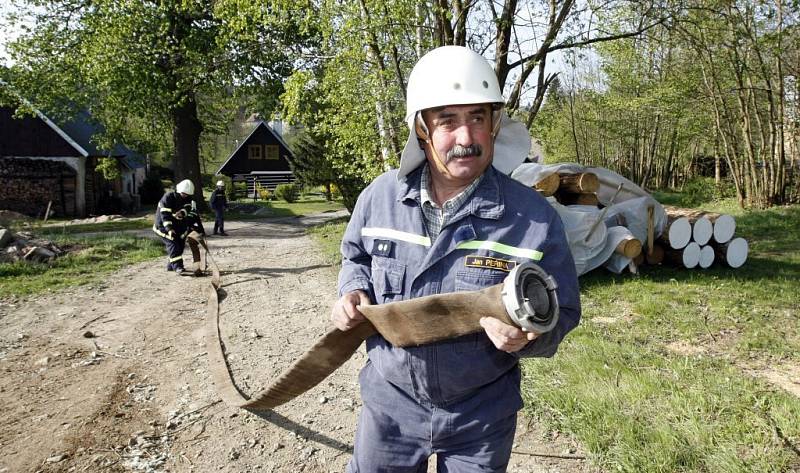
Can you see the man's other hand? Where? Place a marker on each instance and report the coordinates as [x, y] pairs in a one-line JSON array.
[[345, 314], [506, 337]]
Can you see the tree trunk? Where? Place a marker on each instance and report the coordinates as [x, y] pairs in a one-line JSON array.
[[186, 130]]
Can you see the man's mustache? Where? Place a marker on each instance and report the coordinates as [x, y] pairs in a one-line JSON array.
[[459, 151]]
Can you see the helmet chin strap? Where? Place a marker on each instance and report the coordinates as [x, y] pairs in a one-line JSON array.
[[423, 134]]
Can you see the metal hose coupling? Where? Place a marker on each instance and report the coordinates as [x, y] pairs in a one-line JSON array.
[[529, 296]]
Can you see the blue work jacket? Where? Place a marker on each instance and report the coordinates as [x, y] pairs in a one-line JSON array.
[[387, 253]]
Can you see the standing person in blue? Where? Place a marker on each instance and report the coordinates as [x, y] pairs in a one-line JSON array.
[[176, 217], [450, 219], [219, 203]]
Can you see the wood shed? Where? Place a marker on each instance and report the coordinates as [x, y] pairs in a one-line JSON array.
[[44, 163]]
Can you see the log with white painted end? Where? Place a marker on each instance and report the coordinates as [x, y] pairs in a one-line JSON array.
[[686, 257], [702, 230], [707, 256], [733, 253], [678, 233], [724, 227]]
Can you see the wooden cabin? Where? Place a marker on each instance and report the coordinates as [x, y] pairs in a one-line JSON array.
[[262, 158]]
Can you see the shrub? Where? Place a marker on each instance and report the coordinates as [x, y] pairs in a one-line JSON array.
[[151, 189], [263, 192], [288, 192]]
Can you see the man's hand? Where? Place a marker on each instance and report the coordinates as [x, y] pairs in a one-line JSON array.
[[345, 315], [506, 337], [171, 234]]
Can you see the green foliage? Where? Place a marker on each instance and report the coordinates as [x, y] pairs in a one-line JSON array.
[[288, 192], [152, 70], [109, 168]]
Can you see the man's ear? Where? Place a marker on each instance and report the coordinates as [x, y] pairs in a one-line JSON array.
[[421, 128]]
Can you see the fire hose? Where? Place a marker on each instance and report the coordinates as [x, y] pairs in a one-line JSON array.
[[526, 299]]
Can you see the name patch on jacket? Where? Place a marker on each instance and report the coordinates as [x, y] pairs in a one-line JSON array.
[[382, 247], [476, 261]]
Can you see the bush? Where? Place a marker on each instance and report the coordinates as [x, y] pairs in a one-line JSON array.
[[263, 192], [288, 192], [151, 189]]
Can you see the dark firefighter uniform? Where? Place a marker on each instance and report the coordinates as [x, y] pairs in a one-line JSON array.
[[179, 215]]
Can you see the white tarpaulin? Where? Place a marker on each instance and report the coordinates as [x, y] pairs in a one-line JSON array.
[[592, 243]]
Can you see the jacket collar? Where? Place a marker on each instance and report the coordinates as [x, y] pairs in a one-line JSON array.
[[486, 202]]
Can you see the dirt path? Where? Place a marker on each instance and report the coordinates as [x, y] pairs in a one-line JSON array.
[[115, 377]]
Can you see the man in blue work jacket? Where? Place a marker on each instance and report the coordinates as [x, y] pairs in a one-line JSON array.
[[450, 219]]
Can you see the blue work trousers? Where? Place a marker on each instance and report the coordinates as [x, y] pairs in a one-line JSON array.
[[219, 220], [397, 433]]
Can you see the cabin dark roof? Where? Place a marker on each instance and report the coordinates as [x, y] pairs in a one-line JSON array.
[[239, 163]]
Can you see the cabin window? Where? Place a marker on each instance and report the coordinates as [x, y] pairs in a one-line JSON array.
[[254, 152], [272, 151]]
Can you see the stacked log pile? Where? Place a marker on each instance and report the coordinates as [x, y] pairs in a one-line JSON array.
[[703, 238], [27, 185], [25, 247], [689, 239]]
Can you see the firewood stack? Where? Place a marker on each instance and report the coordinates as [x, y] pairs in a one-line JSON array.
[[697, 239]]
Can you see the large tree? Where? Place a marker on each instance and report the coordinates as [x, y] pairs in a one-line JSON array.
[[146, 67], [355, 94]]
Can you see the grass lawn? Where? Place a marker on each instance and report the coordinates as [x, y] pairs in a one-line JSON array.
[[307, 205], [112, 226], [91, 261], [664, 373]]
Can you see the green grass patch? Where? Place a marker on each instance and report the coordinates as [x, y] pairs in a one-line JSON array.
[[89, 260], [329, 238], [112, 226], [274, 208]]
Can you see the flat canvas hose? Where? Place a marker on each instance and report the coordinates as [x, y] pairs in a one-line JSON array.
[[526, 299]]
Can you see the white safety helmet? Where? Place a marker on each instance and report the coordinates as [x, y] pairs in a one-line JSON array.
[[220, 183], [450, 75], [185, 187], [455, 75]]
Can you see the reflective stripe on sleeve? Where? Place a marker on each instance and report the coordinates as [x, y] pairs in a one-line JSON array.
[[166, 210], [395, 235], [501, 248], [177, 258]]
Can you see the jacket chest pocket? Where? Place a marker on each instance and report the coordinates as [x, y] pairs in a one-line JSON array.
[[388, 277], [474, 279]]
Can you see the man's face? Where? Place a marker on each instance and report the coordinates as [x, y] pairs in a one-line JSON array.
[[461, 135], [184, 195]]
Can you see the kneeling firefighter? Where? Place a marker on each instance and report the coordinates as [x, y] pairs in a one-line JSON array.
[[177, 216]]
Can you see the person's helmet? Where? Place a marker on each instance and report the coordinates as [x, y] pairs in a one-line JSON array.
[[185, 187], [220, 183], [450, 75]]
